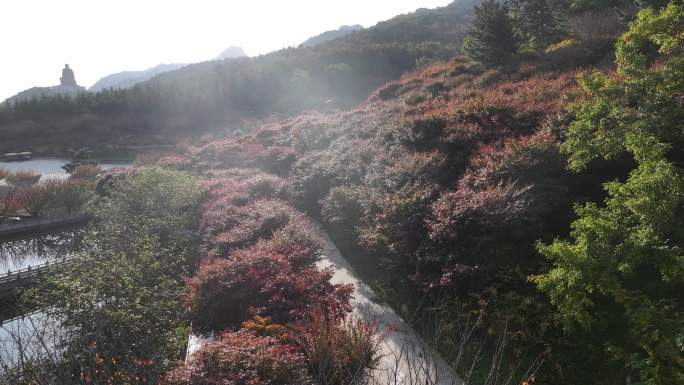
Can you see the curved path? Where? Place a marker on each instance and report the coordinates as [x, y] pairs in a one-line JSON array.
[[406, 358]]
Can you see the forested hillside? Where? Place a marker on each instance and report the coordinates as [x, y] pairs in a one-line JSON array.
[[521, 204], [535, 198], [215, 95]]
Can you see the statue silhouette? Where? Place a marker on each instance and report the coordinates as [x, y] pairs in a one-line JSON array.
[[68, 78]]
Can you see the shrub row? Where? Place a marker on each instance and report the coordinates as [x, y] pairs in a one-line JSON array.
[[260, 289]]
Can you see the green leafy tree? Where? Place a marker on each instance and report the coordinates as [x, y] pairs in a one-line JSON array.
[[118, 300], [74, 194], [491, 41], [623, 271]]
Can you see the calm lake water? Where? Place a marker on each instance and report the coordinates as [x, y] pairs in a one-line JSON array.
[[50, 167], [22, 253], [33, 334], [38, 249], [33, 251]]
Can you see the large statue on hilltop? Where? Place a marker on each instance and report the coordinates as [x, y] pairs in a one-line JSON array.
[[68, 78], [67, 86]]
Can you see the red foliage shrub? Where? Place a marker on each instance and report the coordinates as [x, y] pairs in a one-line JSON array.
[[529, 159], [242, 358], [339, 351], [225, 226], [539, 94], [35, 198], [487, 227], [502, 200], [398, 223], [261, 281], [420, 79], [8, 202], [22, 179], [428, 183], [345, 162], [398, 169], [243, 152], [175, 161], [238, 208], [460, 213], [74, 193], [86, 172], [343, 209], [298, 240], [239, 186]]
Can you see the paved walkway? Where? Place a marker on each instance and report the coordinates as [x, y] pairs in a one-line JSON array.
[[406, 358]]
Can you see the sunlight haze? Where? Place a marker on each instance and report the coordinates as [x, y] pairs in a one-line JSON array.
[[98, 38]]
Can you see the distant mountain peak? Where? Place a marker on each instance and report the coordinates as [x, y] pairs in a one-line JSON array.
[[231, 53], [332, 35]]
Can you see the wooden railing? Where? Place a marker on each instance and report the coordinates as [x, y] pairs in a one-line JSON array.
[[17, 278]]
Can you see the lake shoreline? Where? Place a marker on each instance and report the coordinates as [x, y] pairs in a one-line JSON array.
[[49, 166]]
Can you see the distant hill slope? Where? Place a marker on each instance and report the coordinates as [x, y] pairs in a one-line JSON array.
[[128, 79], [331, 35], [447, 24], [221, 95], [46, 92], [338, 73], [231, 52]]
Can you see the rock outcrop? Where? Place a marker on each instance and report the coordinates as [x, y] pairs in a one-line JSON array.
[[231, 52]]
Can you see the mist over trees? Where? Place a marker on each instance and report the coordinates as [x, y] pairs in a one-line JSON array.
[[222, 95]]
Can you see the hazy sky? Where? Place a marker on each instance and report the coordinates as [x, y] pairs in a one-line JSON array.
[[100, 37]]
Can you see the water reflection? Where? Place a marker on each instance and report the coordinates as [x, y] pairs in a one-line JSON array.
[[21, 253], [34, 337], [51, 167]]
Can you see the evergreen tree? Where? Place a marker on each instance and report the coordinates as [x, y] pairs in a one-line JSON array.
[[491, 41], [622, 274], [540, 22]]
